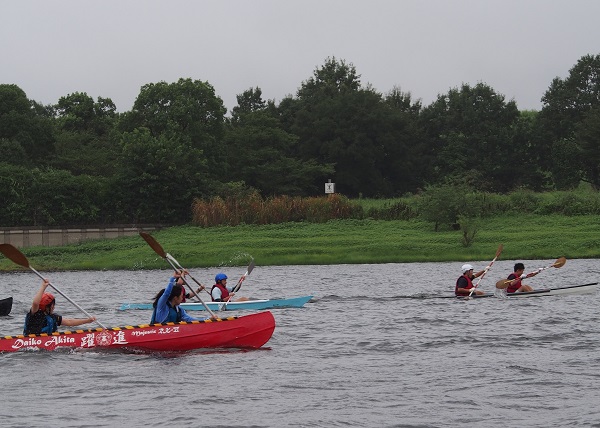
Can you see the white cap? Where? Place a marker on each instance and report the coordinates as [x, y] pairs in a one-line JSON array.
[[466, 268]]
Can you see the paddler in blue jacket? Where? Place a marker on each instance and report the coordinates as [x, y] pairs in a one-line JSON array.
[[167, 301]]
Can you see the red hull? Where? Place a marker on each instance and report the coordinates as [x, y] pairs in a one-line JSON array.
[[249, 331]]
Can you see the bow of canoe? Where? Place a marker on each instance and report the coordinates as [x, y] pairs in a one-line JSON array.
[[6, 306]]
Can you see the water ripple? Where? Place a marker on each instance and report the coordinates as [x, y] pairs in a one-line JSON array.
[[369, 350]]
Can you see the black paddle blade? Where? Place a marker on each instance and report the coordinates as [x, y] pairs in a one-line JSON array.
[[14, 254], [239, 283], [250, 267], [154, 244]]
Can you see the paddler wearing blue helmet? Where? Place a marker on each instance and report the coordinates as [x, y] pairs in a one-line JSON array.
[[221, 292]]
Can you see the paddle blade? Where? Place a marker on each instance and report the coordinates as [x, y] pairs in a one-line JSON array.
[[500, 248], [14, 254], [503, 283], [250, 267], [154, 244], [248, 271], [560, 262]]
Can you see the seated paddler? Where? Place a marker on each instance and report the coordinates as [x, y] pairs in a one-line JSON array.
[[167, 301], [221, 292], [464, 283], [41, 317]]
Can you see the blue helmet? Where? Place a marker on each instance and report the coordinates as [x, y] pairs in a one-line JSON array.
[[220, 277]]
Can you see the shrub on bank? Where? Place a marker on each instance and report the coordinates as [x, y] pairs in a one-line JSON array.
[[441, 205]]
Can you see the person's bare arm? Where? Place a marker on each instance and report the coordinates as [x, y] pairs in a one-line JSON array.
[[71, 322], [35, 305]]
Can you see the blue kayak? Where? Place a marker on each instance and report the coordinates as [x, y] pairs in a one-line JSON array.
[[294, 302]]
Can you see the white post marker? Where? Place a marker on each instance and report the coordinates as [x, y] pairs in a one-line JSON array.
[[329, 187]]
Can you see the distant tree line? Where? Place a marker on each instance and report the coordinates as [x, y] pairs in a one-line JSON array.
[[81, 162]]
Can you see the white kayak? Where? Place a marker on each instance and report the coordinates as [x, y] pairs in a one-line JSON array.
[[559, 291], [574, 289]]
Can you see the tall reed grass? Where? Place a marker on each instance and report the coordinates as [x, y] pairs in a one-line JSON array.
[[253, 209]]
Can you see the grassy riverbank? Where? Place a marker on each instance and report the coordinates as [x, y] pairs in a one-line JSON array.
[[342, 241]]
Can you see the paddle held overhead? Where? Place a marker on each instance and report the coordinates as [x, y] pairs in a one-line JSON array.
[[200, 286], [158, 249], [19, 258], [239, 284], [498, 252]]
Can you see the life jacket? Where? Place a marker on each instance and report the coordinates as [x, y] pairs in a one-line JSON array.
[[224, 292], [40, 322], [514, 287], [469, 286], [174, 315]]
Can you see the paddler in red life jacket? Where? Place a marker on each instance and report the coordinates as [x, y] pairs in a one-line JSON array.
[[464, 283], [41, 317], [514, 283], [220, 292]]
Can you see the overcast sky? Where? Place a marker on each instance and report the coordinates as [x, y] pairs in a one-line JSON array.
[[110, 48]]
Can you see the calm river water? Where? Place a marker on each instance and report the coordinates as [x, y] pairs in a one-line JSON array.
[[342, 360]]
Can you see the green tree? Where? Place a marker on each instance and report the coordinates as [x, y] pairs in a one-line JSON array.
[[249, 101], [567, 101], [587, 137], [61, 198], [333, 78], [469, 135], [442, 204], [403, 143], [187, 109], [158, 178], [13, 100], [86, 140], [87, 153], [569, 107], [13, 150], [49, 197], [564, 176], [338, 122], [79, 112], [260, 152], [530, 166], [23, 121], [15, 190]]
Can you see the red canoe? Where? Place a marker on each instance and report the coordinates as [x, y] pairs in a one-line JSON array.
[[249, 331]]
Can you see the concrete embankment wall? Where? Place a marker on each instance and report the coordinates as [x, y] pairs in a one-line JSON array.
[[51, 237]]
